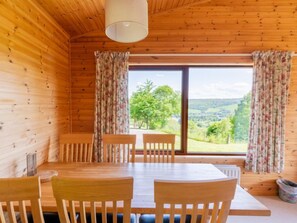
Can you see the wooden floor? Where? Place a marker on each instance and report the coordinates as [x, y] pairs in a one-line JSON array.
[[281, 212]]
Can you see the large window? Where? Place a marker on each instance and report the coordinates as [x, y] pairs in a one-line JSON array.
[[208, 108]]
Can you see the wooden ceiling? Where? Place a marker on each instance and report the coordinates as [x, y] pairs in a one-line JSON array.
[[80, 17]]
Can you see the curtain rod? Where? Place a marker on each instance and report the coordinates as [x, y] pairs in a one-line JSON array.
[[197, 55]]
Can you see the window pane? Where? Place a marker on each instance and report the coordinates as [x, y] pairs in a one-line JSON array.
[[155, 103], [219, 109]]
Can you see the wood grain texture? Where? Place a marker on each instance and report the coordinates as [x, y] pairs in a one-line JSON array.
[[199, 195], [34, 85], [76, 147], [19, 191], [158, 148], [95, 193], [233, 26], [119, 148], [34, 66], [81, 17], [144, 175]]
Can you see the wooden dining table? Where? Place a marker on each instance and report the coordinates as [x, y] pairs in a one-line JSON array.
[[144, 175]]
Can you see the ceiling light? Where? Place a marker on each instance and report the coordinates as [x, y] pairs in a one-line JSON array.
[[126, 21]]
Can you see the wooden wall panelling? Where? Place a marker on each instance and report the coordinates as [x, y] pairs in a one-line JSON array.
[[34, 85], [76, 17], [80, 17], [215, 27], [83, 90]]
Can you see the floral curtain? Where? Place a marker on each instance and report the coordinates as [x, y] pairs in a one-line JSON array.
[[111, 105], [268, 107]]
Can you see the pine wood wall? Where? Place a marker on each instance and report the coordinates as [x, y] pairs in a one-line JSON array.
[[234, 26], [34, 85], [35, 82]]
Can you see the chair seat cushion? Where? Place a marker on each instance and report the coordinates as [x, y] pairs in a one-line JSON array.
[[109, 218], [49, 217], [150, 218]]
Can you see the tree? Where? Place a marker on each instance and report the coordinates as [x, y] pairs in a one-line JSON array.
[[168, 104], [154, 106], [220, 132], [142, 104], [242, 119], [234, 128]]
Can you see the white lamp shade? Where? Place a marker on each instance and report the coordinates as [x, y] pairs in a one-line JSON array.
[[126, 21]]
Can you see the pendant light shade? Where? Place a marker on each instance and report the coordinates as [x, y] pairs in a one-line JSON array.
[[126, 21]]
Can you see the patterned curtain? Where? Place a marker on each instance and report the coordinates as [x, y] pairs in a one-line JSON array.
[[268, 108], [111, 105]]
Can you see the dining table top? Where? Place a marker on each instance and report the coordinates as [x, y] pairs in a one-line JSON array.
[[144, 175]]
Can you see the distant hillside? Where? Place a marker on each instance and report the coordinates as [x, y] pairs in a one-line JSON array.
[[205, 111], [203, 104]]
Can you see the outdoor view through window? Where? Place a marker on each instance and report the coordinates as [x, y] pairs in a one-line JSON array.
[[218, 106]]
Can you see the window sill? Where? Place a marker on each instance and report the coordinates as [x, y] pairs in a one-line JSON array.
[[234, 160]]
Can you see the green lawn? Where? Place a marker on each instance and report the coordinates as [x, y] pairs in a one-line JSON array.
[[195, 146]]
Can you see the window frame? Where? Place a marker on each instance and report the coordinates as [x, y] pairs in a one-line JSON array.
[[184, 69]]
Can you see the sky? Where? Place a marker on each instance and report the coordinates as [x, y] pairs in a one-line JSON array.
[[204, 83]]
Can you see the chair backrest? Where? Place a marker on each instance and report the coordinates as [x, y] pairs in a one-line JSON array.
[[201, 194], [76, 147], [119, 148], [93, 194], [18, 192], [158, 148]]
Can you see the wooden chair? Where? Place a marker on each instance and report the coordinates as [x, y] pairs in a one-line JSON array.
[[217, 194], [76, 147], [82, 193], [158, 148], [119, 148], [17, 191]]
